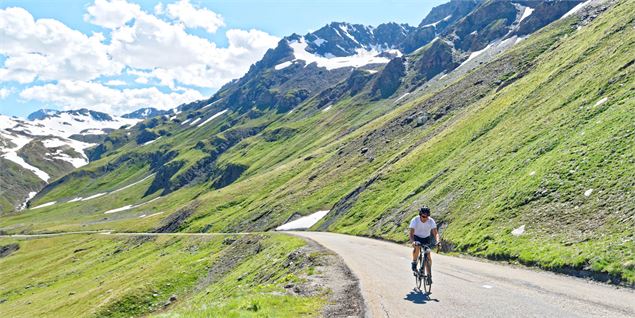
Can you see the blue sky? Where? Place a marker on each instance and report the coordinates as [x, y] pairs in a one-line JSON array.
[[100, 67]]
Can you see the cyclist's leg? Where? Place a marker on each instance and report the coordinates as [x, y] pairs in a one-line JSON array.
[[415, 252], [429, 263]]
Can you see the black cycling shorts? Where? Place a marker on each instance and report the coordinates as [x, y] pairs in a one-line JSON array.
[[423, 240]]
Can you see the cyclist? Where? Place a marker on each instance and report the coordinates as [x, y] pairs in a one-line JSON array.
[[422, 228]]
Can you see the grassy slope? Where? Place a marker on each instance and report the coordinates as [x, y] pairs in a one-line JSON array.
[[107, 276], [526, 156]]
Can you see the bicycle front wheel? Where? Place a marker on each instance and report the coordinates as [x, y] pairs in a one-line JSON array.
[[427, 286]]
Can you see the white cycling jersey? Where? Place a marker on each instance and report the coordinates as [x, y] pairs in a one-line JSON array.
[[422, 229]]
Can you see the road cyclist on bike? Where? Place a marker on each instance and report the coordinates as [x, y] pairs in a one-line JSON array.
[[422, 229]]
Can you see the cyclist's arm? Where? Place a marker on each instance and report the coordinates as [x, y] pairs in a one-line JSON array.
[[435, 232], [412, 235]]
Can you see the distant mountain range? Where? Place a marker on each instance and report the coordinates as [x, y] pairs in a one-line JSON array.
[[48, 145]]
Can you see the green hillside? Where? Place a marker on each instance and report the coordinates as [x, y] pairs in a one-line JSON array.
[[553, 152], [119, 276]]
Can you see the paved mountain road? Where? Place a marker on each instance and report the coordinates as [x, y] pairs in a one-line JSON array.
[[468, 288]]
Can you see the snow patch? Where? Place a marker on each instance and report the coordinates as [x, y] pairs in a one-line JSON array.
[[29, 197], [576, 9], [53, 143], [319, 41], [151, 215], [44, 205], [283, 65], [436, 23], [130, 206], [195, 121], [474, 54], [519, 231], [151, 141], [394, 52], [519, 39], [13, 156], [303, 223], [12, 153], [526, 13], [326, 109], [210, 104], [94, 196], [66, 124], [401, 97], [363, 57], [7, 122], [132, 184], [212, 118], [76, 162], [601, 101], [124, 208]]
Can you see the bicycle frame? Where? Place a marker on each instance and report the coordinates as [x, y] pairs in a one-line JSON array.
[[420, 274]]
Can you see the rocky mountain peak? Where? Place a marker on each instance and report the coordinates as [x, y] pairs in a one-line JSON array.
[[339, 39], [41, 114], [44, 114], [146, 112]]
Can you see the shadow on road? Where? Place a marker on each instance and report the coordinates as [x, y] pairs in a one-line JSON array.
[[418, 297]]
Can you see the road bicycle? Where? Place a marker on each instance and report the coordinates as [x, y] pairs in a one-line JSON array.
[[421, 276]]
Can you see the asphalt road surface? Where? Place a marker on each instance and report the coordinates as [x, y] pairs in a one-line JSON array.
[[468, 288]]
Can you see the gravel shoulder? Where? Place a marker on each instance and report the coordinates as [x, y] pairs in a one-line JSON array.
[[344, 293]]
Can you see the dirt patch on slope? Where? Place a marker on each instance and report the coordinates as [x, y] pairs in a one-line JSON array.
[[6, 250], [177, 219]]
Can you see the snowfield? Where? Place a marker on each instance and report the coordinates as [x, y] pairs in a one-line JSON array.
[[363, 57], [304, 222], [212, 118]]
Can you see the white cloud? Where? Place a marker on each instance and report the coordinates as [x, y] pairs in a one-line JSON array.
[[78, 94], [5, 92], [193, 17], [159, 9], [245, 47], [47, 49], [71, 63], [111, 14], [116, 83], [151, 42]]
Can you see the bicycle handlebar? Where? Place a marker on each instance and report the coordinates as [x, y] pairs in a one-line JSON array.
[[427, 245]]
